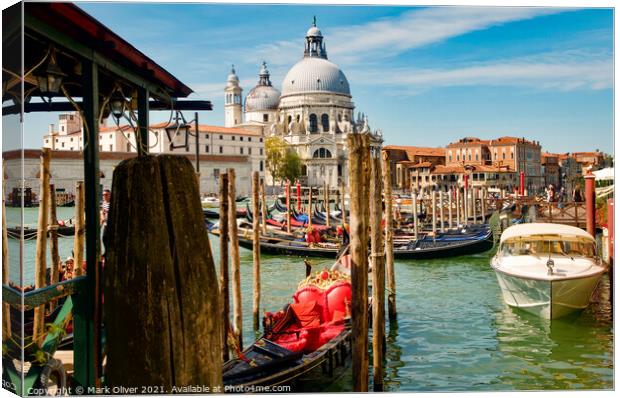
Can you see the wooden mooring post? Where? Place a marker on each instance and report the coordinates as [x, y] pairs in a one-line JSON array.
[[474, 200], [310, 206], [256, 250], [414, 209], [484, 204], [342, 204], [235, 263], [326, 201], [41, 253], [359, 165], [162, 329], [78, 238], [434, 209], [263, 204], [288, 207], [224, 279], [53, 227], [389, 236], [378, 273], [450, 193], [458, 206], [442, 222]]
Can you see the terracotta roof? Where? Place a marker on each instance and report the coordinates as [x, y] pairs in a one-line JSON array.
[[468, 141], [587, 154], [421, 165], [507, 140], [213, 129], [413, 151]]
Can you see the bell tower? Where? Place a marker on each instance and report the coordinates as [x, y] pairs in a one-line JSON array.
[[232, 100]]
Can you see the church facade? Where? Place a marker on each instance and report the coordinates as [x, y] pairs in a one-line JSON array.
[[313, 113]]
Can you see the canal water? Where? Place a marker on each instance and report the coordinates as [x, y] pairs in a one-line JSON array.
[[453, 331]]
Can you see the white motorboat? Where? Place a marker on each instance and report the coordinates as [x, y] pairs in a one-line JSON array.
[[549, 270]]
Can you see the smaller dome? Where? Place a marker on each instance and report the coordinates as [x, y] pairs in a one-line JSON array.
[[233, 79], [314, 32], [262, 98]]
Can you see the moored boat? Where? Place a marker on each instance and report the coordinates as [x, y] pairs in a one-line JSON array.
[[550, 270], [308, 336]]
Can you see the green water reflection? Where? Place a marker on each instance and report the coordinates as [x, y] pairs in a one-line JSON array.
[[453, 333]]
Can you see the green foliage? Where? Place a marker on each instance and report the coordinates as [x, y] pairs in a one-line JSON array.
[[281, 161], [291, 167]]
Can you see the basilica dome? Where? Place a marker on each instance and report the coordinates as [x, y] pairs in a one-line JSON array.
[[313, 74], [263, 96]]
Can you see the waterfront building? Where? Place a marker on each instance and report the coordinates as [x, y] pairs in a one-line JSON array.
[[67, 168], [510, 153], [216, 144], [590, 160], [425, 176], [314, 113], [404, 158], [550, 163]]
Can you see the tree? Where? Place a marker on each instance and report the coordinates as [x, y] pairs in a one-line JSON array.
[[282, 162], [291, 167]]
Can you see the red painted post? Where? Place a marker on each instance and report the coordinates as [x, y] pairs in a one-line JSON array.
[[298, 186], [288, 207], [466, 181], [521, 183], [590, 204]]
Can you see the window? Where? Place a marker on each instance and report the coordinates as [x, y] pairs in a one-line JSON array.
[[249, 139], [504, 155], [187, 148], [221, 137], [128, 147], [62, 128], [216, 173], [261, 151], [63, 144], [265, 117], [476, 156], [261, 165], [325, 122], [241, 150], [322, 153], [512, 155], [240, 138], [249, 150], [457, 157], [111, 147], [339, 170], [207, 149], [232, 138], [47, 141], [110, 136], [470, 156], [221, 149], [340, 117], [313, 124], [290, 119], [207, 136], [260, 140]]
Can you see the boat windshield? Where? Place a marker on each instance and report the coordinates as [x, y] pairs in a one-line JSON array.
[[539, 247]]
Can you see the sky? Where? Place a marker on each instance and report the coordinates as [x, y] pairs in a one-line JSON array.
[[425, 76]]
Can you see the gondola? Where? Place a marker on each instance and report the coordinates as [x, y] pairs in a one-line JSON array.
[[423, 248], [15, 232], [308, 340], [429, 248], [208, 213]]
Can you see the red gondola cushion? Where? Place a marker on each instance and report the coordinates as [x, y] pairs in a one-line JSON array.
[[307, 313]]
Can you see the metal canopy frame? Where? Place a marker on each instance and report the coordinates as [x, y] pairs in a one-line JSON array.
[[102, 57]]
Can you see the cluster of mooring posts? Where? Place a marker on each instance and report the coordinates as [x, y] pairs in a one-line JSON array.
[[369, 173], [448, 209]]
